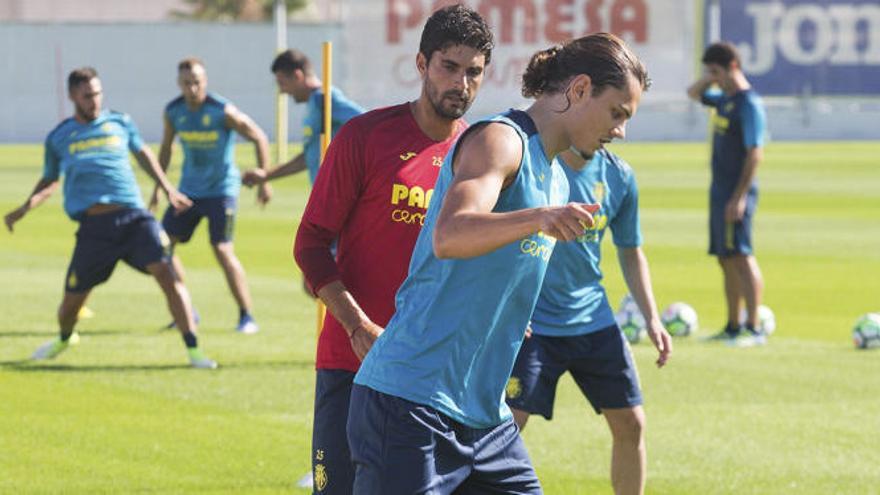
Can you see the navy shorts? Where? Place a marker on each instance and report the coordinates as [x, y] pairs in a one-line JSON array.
[[398, 446], [731, 238], [131, 235], [332, 470], [219, 211], [600, 363]]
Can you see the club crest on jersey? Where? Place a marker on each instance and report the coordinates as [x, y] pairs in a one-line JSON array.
[[206, 120], [514, 388], [406, 156], [107, 127], [437, 161], [728, 107], [599, 192], [181, 120]]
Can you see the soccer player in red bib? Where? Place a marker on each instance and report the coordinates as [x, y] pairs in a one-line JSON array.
[[371, 193]]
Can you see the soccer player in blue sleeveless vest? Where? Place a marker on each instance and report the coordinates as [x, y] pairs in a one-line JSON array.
[[427, 409], [295, 77], [100, 192], [738, 125], [206, 124], [573, 327], [372, 195]]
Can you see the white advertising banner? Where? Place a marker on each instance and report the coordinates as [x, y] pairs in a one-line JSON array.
[[382, 39]]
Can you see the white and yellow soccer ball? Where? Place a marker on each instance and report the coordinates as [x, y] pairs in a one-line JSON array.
[[866, 331], [766, 319], [680, 319], [630, 320]]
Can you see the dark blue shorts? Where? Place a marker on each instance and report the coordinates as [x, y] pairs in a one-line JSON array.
[[402, 447], [131, 235], [600, 363], [219, 211], [332, 470], [728, 239]]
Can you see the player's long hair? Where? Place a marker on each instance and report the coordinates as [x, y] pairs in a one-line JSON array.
[[602, 56], [456, 25]]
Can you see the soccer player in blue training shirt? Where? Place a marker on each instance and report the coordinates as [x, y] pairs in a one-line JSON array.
[[427, 409], [296, 77], [573, 327], [91, 150], [204, 122], [737, 148]]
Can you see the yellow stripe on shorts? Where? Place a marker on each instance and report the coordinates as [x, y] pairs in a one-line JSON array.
[[728, 235]]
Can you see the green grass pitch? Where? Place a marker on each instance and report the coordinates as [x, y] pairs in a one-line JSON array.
[[122, 413]]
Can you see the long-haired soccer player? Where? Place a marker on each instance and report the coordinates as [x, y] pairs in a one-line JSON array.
[[375, 185], [427, 408]]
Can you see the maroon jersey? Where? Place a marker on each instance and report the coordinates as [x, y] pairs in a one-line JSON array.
[[372, 192]]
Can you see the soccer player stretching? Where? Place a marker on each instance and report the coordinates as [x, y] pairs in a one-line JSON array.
[[205, 122], [573, 327], [296, 77], [427, 409], [375, 185], [737, 149], [91, 150]]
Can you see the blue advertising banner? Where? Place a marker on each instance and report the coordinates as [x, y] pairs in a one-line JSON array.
[[818, 47]]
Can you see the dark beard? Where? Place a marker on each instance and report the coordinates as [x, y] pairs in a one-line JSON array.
[[84, 116], [455, 113]]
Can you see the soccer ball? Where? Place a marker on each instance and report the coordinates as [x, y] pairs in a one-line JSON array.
[[866, 331], [680, 319], [630, 320], [766, 319]]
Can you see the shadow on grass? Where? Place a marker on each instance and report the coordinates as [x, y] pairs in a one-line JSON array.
[[30, 366], [54, 333]]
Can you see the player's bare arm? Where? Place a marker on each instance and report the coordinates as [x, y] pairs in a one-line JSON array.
[[736, 207], [696, 90], [360, 329], [147, 160], [165, 150], [41, 192], [259, 176], [634, 265], [248, 129], [488, 161]]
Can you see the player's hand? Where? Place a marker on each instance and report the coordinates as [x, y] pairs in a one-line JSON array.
[[707, 78], [154, 200], [254, 177], [662, 341], [14, 216], [362, 338], [734, 210], [178, 201], [264, 194], [568, 222]]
